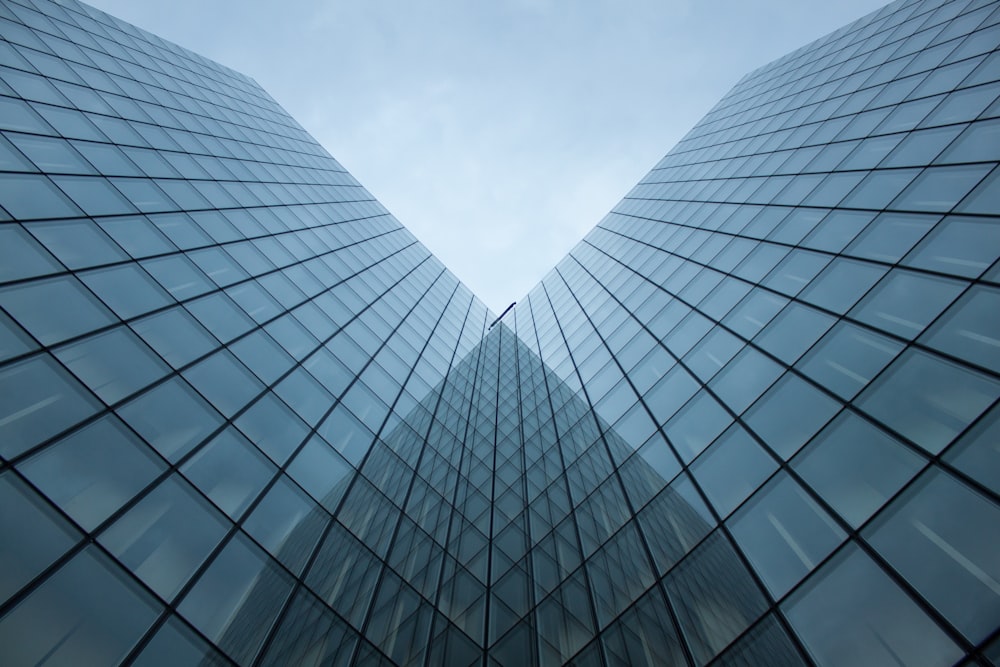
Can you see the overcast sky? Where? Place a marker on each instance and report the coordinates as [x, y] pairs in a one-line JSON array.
[[498, 131]]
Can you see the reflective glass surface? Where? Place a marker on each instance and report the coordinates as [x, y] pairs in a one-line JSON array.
[[750, 419]]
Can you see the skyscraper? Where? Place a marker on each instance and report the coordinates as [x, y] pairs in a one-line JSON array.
[[751, 419]]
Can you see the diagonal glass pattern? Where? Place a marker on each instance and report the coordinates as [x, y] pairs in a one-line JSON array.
[[247, 418]]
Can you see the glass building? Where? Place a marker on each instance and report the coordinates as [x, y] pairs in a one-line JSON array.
[[751, 419]]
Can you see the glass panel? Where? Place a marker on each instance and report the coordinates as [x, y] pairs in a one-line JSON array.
[[287, 523], [50, 154], [55, 309], [674, 522], [790, 413], [784, 533], [929, 400], [220, 316], [127, 289], [905, 302], [977, 454], [273, 427], [347, 435], [837, 230], [42, 535], [856, 467], [14, 341], [78, 244], [939, 189], [767, 643], [712, 353], [176, 645], [179, 276], [87, 614], [94, 471], [951, 563], [958, 246], [311, 635], [38, 399], [113, 364], [27, 197], [970, 329], [847, 359], [321, 472], [877, 623], [697, 425], [175, 335], [237, 599], [224, 381], [891, 236], [794, 331], [842, 284], [732, 469], [95, 195], [230, 471], [22, 256], [137, 236], [166, 536], [172, 418], [715, 597], [745, 378]]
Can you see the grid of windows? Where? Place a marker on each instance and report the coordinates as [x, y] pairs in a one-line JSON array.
[[246, 418]]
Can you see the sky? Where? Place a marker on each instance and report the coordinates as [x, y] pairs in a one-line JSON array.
[[498, 131]]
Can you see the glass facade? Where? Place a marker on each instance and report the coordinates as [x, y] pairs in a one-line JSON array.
[[751, 419]]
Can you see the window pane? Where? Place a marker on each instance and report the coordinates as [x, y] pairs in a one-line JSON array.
[[78, 244], [732, 469], [113, 364], [790, 413], [928, 400], [175, 335], [905, 302], [176, 645], [970, 329], [958, 246], [977, 454], [166, 536], [784, 533], [847, 359], [321, 472], [42, 535], [94, 471], [697, 425], [878, 624], [127, 289], [27, 196], [715, 597], [794, 331], [952, 563], [745, 378], [55, 309], [22, 256], [87, 614], [237, 599], [38, 399], [171, 417], [230, 471], [224, 381]]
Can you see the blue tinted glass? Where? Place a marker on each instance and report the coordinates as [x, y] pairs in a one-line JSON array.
[[784, 533], [880, 622], [38, 399], [856, 467], [928, 399]]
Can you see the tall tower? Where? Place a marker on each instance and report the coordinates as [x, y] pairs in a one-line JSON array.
[[751, 419]]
